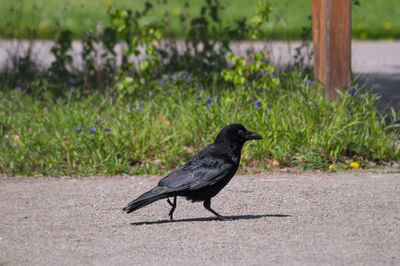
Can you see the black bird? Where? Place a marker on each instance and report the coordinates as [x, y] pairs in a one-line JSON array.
[[203, 176]]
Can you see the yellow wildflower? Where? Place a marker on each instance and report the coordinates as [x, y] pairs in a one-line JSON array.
[[176, 11], [42, 25], [388, 25], [363, 35], [331, 166], [355, 165]]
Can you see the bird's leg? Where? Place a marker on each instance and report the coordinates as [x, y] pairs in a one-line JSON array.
[[171, 212], [207, 205]]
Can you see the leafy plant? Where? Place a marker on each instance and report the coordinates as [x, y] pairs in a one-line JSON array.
[[254, 74], [60, 67]]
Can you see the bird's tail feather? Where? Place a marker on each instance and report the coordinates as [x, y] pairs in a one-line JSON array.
[[145, 199]]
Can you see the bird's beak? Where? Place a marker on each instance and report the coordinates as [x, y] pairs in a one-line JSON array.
[[251, 135]]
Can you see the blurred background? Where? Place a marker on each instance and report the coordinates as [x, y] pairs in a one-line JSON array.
[[372, 20]]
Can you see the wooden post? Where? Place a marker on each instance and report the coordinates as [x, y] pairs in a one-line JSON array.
[[332, 44]]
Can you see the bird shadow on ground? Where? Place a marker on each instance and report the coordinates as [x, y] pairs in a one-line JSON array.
[[205, 219]]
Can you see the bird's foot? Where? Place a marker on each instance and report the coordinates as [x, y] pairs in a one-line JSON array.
[[172, 209]]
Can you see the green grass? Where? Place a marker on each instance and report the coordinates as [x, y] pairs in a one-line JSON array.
[[39, 135], [372, 20]]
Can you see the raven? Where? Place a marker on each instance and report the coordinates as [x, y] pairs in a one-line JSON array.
[[203, 176]]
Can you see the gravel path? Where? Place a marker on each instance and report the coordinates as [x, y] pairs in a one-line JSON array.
[[341, 218], [368, 57]]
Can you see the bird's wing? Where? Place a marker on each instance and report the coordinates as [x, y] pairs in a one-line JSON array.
[[210, 174], [203, 170]]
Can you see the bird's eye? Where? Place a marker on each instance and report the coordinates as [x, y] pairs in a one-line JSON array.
[[241, 132]]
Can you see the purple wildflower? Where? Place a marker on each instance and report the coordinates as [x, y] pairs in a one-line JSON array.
[[79, 128], [141, 102], [98, 121], [266, 73], [162, 82], [175, 75], [92, 130], [257, 104], [131, 106], [185, 75], [107, 130], [198, 97], [308, 82], [352, 92], [141, 107], [209, 100], [72, 90]]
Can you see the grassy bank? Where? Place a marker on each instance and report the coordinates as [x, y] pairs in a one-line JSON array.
[[172, 118], [371, 20]]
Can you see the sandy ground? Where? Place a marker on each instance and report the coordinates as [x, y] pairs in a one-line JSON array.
[[313, 219]]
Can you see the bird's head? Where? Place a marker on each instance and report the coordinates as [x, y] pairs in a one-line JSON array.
[[235, 133]]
